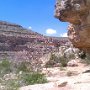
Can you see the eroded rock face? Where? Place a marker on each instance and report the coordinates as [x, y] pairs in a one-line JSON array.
[[77, 13]]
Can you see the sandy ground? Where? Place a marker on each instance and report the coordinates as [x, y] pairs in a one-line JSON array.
[[77, 81]]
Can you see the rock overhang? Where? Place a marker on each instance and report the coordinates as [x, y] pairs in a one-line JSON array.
[[76, 12]]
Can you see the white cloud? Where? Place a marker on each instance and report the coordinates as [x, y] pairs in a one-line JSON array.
[[63, 35], [30, 27], [51, 31]]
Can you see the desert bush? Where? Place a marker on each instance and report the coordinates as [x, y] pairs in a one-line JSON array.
[[22, 66], [5, 67], [23, 80], [11, 85], [34, 78], [26, 77], [71, 56], [53, 57], [52, 61], [63, 61]]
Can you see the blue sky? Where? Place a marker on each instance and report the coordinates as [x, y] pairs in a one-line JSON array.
[[35, 14]]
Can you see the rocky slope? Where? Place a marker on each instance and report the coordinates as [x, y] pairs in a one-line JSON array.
[[77, 13], [18, 43], [70, 78]]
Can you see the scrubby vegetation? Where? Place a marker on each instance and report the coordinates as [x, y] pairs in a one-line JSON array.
[[13, 75], [63, 61], [33, 78], [52, 61], [57, 61]]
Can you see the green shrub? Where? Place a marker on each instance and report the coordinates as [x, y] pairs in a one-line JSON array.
[[53, 60], [22, 67], [53, 57], [63, 61], [5, 67], [5, 63], [11, 84], [25, 78], [71, 56], [34, 78]]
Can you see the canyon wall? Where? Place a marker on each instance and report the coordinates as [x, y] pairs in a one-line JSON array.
[[77, 13], [20, 44]]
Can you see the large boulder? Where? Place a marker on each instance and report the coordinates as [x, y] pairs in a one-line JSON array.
[[77, 13]]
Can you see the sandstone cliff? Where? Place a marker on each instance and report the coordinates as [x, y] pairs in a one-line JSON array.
[[77, 13]]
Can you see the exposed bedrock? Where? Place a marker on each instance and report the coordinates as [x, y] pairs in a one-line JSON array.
[[77, 13]]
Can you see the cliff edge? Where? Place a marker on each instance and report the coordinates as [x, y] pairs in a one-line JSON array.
[[77, 13]]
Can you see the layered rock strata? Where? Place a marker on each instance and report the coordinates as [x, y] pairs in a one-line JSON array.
[[18, 43]]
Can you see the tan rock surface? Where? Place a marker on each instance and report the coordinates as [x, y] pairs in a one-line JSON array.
[[76, 12]]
